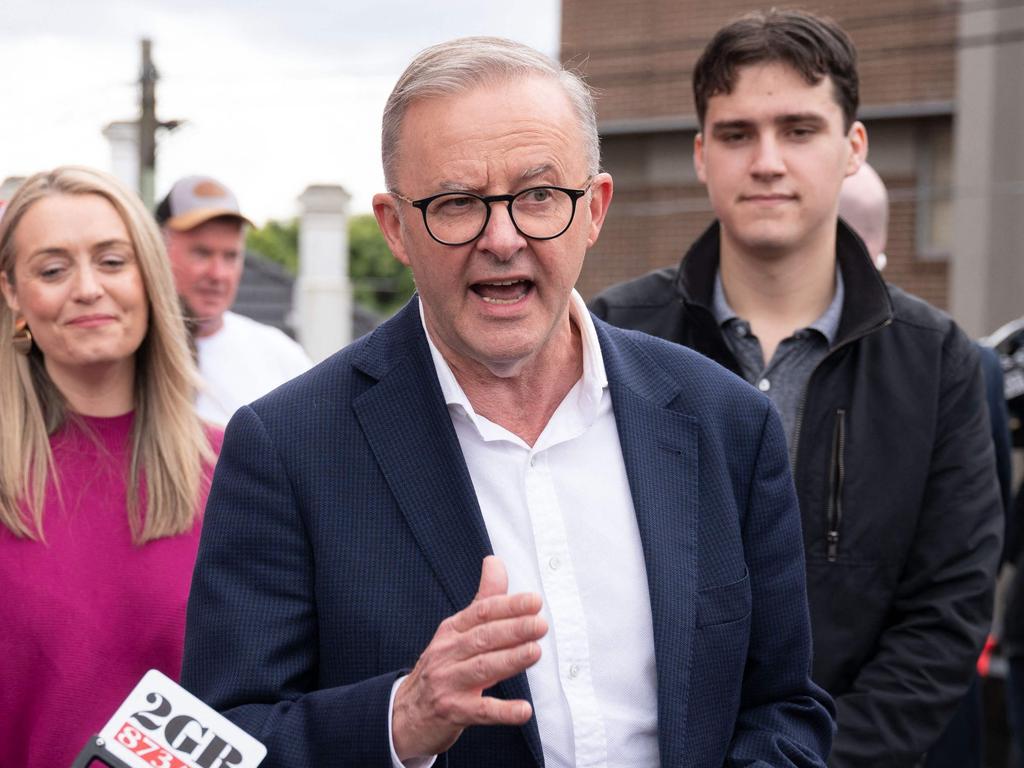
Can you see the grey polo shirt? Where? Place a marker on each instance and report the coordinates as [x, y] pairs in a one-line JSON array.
[[784, 378]]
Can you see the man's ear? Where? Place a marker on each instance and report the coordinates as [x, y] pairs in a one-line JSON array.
[[10, 295], [698, 157], [858, 138], [385, 208], [601, 189]]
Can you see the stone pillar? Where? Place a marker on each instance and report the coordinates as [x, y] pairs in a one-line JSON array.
[[987, 265], [323, 294], [123, 137]]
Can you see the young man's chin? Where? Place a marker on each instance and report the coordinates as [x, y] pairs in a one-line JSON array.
[[770, 241]]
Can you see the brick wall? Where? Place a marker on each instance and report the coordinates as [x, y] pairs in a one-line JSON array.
[[925, 278], [640, 53]]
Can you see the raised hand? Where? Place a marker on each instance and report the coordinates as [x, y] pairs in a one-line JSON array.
[[493, 638]]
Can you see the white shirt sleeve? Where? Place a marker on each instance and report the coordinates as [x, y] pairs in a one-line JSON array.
[[419, 762]]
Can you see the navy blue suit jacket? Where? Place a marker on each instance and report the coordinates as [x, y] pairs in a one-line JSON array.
[[342, 528]]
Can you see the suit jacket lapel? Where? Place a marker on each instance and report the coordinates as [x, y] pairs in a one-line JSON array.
[[410, 432], [660, 449]]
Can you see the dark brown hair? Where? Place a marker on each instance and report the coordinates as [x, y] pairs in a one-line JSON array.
[[814, 46]]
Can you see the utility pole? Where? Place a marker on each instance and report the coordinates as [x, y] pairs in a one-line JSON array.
[[147, 126]]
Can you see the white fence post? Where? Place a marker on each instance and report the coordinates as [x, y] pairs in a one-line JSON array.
[[323, 294], [123, 137]]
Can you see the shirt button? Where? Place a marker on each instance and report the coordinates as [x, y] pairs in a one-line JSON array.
[[533, 461], [574, 671], [764, 385], [554, 563]]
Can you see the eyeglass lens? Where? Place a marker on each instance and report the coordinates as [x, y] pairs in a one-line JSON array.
[[542, 212]]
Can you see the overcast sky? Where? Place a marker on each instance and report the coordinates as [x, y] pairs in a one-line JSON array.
[[277, 94]]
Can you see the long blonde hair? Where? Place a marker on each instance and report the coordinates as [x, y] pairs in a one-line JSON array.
[[168, 444]]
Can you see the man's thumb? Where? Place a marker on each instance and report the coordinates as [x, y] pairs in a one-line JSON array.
[[493, 578]]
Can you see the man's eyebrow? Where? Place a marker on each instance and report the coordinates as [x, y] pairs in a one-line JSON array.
[[532, 173], [812, 118], [447, 185], [791, 118], [731, 125]]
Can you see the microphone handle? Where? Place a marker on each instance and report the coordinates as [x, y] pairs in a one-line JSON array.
[[96, 750]]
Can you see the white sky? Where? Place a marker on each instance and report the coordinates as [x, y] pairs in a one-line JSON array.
[[277, 94]]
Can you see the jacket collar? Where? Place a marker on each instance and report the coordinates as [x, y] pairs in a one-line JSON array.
[[660, 448], [867, 305]]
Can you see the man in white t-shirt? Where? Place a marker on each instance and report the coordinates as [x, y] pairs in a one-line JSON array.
[[240, 360]]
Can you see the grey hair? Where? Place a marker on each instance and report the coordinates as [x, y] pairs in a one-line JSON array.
[[465, 63]]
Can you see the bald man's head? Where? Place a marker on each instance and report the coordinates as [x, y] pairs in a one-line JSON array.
[[864, 205]]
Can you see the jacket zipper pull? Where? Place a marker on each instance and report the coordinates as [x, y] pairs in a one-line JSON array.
[[833, 545]]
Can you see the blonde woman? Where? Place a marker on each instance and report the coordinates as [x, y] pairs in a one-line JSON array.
[[104, 466]]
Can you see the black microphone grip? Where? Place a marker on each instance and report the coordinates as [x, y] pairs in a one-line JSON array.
[[96, 751]]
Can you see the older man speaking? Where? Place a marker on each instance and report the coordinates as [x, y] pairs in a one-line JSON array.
[[495, 530]]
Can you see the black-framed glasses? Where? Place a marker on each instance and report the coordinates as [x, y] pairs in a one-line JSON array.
[[539, 213]]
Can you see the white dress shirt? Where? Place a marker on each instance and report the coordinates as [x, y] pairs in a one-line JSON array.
[[560, 516]]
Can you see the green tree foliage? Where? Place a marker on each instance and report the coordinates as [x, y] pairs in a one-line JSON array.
[[379, 282], [277, 241]]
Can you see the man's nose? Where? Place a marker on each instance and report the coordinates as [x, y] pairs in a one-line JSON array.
[[219, 268], [767, 160], [500, 236]]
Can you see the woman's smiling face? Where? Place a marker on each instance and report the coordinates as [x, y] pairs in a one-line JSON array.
[[77, 283]]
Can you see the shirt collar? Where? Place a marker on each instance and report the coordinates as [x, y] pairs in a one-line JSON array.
[[590, 387], [827, 325]]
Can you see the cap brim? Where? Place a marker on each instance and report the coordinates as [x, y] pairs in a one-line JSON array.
[[193, 219]]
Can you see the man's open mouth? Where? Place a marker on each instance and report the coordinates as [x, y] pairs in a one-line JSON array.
[[503, 291]]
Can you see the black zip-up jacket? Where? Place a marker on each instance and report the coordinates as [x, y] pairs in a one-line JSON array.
[[896, 478]]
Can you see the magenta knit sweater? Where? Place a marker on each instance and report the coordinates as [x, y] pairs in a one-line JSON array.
[[84, 615]]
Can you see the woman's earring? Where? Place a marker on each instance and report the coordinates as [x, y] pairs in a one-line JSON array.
[[22, 336]]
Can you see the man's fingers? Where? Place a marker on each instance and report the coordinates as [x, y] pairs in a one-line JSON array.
[[487, 669], [495, 608], [491, 711], [486, 710], [493, 578], [496, 635]]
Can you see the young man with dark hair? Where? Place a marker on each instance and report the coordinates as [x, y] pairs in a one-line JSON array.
[[880, 394]]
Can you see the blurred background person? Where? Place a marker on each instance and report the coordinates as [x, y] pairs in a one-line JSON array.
[[1009, 342], [104, 464], [240, 359], [864, 205]]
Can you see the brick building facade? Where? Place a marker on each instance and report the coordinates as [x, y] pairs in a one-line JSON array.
[[639, 55]]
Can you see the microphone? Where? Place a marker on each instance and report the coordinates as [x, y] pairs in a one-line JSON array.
[[161, 725]]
